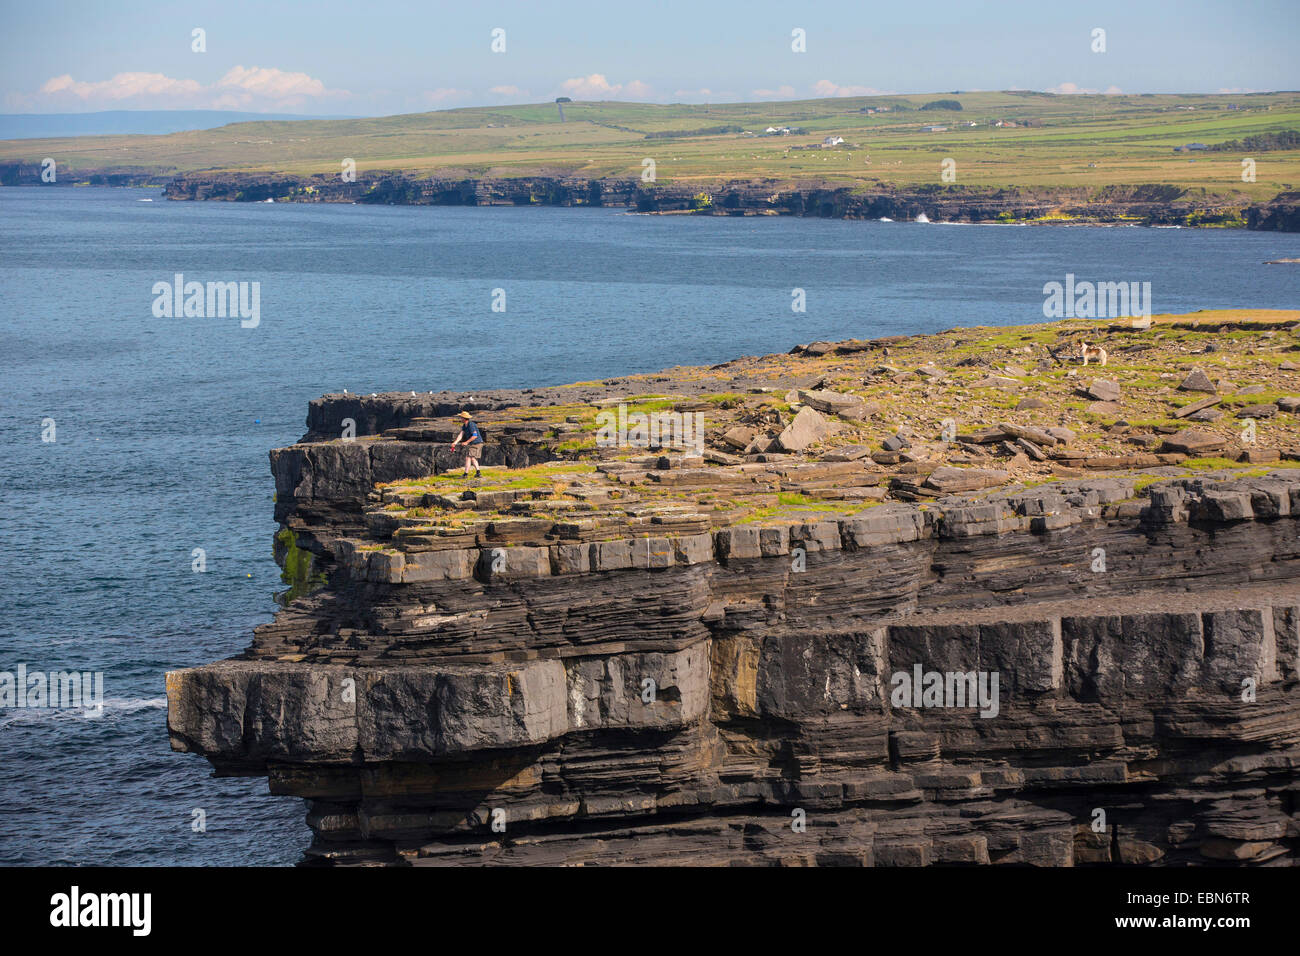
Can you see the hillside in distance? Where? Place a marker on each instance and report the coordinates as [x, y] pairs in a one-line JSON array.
[[1043, 141], [124, 122]]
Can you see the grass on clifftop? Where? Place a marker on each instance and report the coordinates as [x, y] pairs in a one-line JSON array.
[[1036, 384], [1092, 143]]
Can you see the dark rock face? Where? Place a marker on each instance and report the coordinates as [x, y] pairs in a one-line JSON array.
[[1150, 204], [967, 681]]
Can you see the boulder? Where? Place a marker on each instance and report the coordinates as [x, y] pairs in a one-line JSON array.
[[828, 402], [952, 480], [1267, 410], [1103, 390], [1030, 449], [847, 453], [808, 427], [1193, 407], [861, 411], [1193, 442], [739, 436], [1198, 381], [1039, 436], [985, 436], [1257, 456]]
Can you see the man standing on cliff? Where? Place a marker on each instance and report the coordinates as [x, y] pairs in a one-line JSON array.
[[472, 439]]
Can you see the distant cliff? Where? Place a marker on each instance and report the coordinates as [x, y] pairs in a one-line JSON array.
[[787, 650], [1153, 204], [1146, 205]]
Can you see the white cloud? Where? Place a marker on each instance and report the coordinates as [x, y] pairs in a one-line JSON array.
[[780, 93], [706, 95], [120, 87], [827, 88], [597, 87], [1074, 89], [508, 90], [444, 94], [254, 87], [637, 90], [266, 83]]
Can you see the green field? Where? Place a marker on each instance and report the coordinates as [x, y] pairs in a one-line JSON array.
[[1070, 141]]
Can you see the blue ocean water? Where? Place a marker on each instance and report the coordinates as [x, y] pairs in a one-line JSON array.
[[162, 426]]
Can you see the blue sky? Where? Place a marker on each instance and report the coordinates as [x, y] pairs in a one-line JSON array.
[[377, 57]]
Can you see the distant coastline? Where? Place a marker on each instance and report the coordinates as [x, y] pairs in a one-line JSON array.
[[1145, 205], [1192, 160]]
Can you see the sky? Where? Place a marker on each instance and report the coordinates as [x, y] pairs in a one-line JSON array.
[[344, 57]]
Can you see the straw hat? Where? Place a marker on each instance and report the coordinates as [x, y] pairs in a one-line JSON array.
[[465, 415]]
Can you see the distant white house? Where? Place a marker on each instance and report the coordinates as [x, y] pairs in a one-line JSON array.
[[777, 131], [833, 141], [933, 129]]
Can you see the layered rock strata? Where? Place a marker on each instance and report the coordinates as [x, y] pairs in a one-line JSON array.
[[1155, 204], [577, 672]]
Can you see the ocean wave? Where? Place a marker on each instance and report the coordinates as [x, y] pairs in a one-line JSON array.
[[113, 706]]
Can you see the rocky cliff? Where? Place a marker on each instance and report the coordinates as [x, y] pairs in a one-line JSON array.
[[1154, 204], [1150, 204], [789, 653]]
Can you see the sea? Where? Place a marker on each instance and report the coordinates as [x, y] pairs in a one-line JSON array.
[[136, 527]]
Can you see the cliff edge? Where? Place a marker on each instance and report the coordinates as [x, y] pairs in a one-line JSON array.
[[836, 607]]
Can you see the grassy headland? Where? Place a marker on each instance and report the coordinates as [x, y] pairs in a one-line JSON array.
[[1045, 141], [838, 428]]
